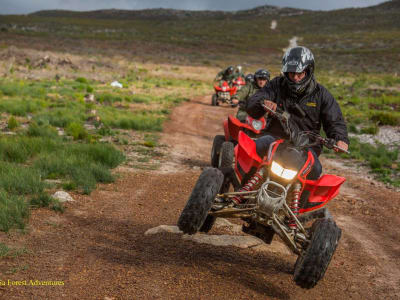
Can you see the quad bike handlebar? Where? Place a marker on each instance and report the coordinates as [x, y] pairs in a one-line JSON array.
[[297, 136]]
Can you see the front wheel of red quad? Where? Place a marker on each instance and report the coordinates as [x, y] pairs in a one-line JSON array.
[[226, 155], [311, 266], [214, 101], [200, 201]]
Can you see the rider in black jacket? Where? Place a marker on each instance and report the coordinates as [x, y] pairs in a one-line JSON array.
[[309, 103]]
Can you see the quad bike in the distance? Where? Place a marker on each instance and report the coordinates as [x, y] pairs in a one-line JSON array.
[[223, 93], [222, 153], [272, 188], [239, 82]]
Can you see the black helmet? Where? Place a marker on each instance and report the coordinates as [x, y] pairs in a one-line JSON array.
[[229, 70], [249, 78], [297, 60], [261, 74]]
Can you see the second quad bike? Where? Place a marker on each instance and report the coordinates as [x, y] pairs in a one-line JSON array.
[[223, 93], [239, 83], [276, 198]]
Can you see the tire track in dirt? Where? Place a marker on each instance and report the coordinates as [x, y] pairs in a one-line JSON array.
[[190, 132]]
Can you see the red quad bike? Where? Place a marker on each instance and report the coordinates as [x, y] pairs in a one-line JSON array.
[[239, 83], [274, 204], [223, 93], [222, 153]]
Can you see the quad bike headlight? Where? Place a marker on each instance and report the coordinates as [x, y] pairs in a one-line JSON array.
[[256, 124], [278, 170]]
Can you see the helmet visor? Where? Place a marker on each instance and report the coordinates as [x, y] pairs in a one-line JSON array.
[[262, 77]]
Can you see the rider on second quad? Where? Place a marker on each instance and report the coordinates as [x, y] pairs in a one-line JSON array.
[[261, 78]]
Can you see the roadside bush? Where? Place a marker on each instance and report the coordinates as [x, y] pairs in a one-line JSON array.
[[138, 122], [19, 107], [41, 200], [108, 98], [83, 165], [104, 154], [45, 200], [13, 211], [370, 130], [13, 150], [35, 130], [378, 158], [12, 123], [77, 131], [81, 80], [20, 180], [385, 118], [353, 128]]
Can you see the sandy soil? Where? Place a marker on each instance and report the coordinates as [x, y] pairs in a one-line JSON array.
[[97, 247]]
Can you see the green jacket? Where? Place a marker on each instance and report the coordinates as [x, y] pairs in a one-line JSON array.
[[245, 93], [221, 76]]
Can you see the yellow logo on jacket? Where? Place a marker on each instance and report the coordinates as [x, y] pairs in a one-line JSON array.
[[312, 104]]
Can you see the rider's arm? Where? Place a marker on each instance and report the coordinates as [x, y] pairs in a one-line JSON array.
[[332, 119], [219, 76], [255, 103], [242, 93]]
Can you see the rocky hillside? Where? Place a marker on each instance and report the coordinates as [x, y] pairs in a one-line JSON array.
[[167, 14]]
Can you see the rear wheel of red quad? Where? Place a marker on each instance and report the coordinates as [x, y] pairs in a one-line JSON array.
[[214, 100], [226, 155], [200, 201], [311, 266], [216, 148]]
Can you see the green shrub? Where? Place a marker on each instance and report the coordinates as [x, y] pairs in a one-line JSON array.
[[77, 131], [20, 180], [370, 130], [104, 154], [83, 165], [108, 98], [41, 200], [12, 123], [81, 80], [41, 131], [45, 200], [386, 118], [138, 122], [379, 159], [20, 107], [14, 149], [353, 128], [139, 99], [13, 211]]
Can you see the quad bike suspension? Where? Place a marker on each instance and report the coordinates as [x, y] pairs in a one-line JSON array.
[[254, 182], [295, 205]]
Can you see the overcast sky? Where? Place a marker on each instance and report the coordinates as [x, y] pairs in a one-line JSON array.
[[28, 6]]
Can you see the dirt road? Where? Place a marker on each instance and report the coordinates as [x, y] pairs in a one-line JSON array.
[[98, 249]]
